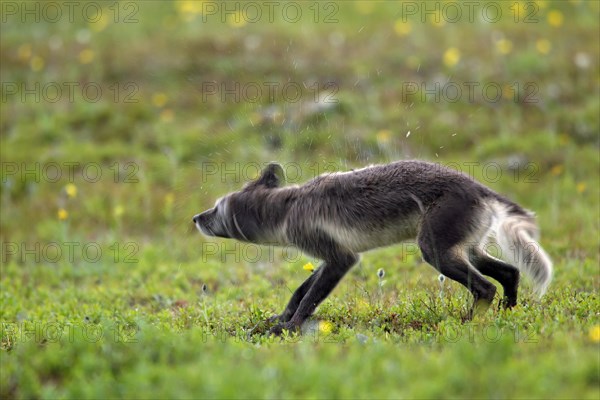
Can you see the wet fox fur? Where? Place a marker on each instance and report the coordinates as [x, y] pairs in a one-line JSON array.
[[336, 216]]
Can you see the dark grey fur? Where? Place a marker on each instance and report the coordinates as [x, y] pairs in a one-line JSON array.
[[334, 217]]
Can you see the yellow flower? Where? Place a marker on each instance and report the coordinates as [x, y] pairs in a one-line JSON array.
[[166, 115], [159, 99], [581, 186], [86, 56], [363, 305], [308, 267], [555, 18], [504, 46], [236, 20], [37, 63], [24, 52], [98, 26], [543, 46], [365, 7], [189, 8], [383, 136], [119, 210], [594, 334], [451, 57], [520, 8], [62, 214], [169, 199], [325, 327], [508, 91], [402, 28], [71, 190], [557, 170]]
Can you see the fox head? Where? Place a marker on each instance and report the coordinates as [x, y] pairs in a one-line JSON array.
[[241, 215]]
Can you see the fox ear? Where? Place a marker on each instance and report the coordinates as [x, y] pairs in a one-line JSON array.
[[272, 176]]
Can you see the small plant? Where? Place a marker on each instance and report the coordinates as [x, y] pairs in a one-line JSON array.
[[441, 279], [380, 276]]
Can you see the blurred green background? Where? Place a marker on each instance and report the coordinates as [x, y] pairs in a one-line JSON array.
[[121, 120]]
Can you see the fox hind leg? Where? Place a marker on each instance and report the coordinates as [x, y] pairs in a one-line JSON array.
[[457, 268], [506, 274], [443, 229]]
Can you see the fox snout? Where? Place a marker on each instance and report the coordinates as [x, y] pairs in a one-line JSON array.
[[197, 219], [203, 220], [210, 223]]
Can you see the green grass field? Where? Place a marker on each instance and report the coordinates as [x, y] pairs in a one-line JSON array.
[[120, 121]]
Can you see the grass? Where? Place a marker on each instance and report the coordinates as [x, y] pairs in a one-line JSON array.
[[106, 289]]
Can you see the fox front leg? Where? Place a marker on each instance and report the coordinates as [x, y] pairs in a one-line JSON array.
[[297, 297], [292, 306], [315, 291]]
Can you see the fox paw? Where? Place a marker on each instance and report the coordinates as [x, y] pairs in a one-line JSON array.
[[507, 303], [275, 319], [278, 329]]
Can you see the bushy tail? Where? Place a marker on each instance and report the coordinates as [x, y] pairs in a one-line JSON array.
[[517, 235]]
